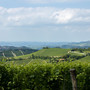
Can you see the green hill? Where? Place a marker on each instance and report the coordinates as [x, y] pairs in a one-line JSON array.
[[52, 52], [48, 52]]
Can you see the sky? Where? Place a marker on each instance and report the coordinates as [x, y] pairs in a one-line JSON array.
[[45, 20]]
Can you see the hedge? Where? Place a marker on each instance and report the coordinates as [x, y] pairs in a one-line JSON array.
[[45, 76]]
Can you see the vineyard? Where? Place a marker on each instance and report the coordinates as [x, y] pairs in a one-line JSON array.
[[41, 72], [44, 76]]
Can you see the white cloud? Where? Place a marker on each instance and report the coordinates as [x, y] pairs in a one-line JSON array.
[[72, 15], [42, 15], [25, 16], [63, 16]]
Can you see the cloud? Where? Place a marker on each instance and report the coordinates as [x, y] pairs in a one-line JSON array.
[[25, 16], [63, 16], [42, 16], [72, 15]]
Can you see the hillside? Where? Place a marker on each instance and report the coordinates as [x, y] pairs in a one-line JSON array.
[[85, 59], [11, 51], [48, 52], [52, 52]]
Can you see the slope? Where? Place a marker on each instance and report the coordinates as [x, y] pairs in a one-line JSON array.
[[52, 52], [85, 59], [48, 52]]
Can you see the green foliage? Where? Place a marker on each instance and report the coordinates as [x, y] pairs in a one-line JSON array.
[[44, 76]]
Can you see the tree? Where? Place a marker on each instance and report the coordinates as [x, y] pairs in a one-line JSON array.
[[45, 47]]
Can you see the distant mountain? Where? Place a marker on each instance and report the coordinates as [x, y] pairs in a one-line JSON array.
[[40, 45], [12, 48], [85, 44], [34, 45]]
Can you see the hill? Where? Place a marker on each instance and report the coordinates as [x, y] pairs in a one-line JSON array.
[[11, 51], [52, 52], [48, 52], [57, 53]]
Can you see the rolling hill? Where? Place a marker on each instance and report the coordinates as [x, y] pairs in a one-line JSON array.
[[52, 52], [48, 52], [25, 59]]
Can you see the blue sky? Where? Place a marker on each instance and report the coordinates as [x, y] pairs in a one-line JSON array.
[[45, 20]]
